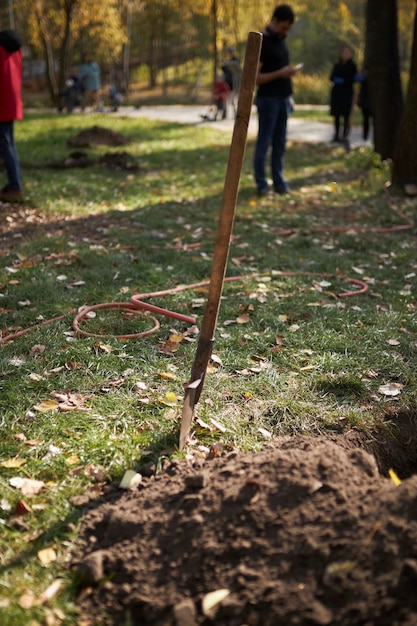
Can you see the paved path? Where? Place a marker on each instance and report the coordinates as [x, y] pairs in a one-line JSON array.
[[298, 129]]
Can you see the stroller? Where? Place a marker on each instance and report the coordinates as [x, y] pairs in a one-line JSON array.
[[72, 95]]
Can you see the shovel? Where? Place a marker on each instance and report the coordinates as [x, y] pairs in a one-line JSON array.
[[221, 250]]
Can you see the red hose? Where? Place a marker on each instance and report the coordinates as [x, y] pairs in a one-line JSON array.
[[139, 307]]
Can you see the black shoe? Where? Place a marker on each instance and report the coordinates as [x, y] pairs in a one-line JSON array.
[[282, 191], [346, 144], [263, 192]]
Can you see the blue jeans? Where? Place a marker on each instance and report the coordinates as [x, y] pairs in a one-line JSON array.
[[10, 157], [272, 118]]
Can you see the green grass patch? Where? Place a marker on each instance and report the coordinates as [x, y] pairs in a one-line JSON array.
[[294, 354]]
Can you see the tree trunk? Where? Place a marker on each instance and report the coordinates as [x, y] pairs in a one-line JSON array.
[[49, 57], [404, 170], [214, 18], [382, 60], [65, 51]]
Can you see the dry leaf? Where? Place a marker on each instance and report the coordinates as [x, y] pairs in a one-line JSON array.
[[13, 463], [27, 486], [390, 389], [26, 601], [72, 460], [46, 405], [394, 477], [216, 360], [47, 556], [211, 601], [22, 508], [170, 399], [243, 319], [130, 480], [51, 591], [218, 425], [265, 433], [167, 375], [35, 377]]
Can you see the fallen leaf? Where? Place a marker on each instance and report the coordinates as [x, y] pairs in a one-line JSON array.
[[211, 601], [265, 433], [170, 399], [26, 601], [22, 508], [390, 389], [28, 486], [218, 426], [13, 463], [35, 377], [167, 375], [130, 480], [51, 591], [72, 460], [47, 556], [46, 405], [243, 319], [394, 477]]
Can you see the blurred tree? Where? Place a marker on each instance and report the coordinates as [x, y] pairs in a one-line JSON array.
[[404, 169], [382, 60], [56, 26]]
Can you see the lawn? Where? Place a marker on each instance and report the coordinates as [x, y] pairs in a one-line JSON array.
[[296, 351]]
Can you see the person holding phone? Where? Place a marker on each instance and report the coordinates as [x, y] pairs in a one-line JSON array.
[[273, 100]]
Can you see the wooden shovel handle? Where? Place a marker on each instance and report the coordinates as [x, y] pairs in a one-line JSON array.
[[224, 231]]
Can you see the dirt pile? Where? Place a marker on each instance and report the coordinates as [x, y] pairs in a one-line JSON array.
[[98, 135], [305, 532]]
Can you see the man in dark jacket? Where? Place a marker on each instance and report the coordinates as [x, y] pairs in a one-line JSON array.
[[11, 109], [273, 100]]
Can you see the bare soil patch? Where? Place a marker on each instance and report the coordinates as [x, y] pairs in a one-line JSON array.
[[307, 531], [99, 136]]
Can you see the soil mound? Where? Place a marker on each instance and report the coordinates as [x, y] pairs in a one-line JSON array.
[[99, 136], [305, 532]]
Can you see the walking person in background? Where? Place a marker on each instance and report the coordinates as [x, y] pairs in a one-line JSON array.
[[232, 73], [343, 76], [91, 81], [273, 100], [11, 109]]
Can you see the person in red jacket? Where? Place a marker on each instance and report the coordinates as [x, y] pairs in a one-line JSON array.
[[11, 109], [221, 92]]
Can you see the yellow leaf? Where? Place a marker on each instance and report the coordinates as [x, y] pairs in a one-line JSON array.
[[394, 477], [47, 555], [13, 463], [46, 405], [72, 460], [175, 338], [170, 399], [167, 375]]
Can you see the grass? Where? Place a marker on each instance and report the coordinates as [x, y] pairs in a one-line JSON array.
[[292, 355]]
